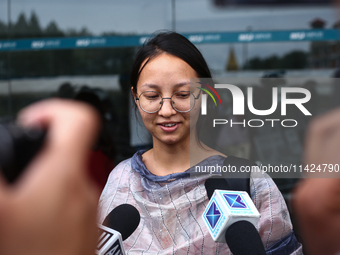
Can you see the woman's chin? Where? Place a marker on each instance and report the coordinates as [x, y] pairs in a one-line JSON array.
[[170, 140]]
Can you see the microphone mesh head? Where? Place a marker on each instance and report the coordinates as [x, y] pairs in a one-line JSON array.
[[243, 239], [215, 183], [124, 218]]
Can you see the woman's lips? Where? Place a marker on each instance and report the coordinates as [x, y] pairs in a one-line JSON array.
[[169, 127]]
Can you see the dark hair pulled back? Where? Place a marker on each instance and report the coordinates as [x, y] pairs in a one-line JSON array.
[[171, 43]]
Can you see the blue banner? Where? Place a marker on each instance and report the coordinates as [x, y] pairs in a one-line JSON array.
[[196, 38]]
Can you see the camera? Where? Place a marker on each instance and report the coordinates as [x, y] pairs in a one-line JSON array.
[[18, 146]]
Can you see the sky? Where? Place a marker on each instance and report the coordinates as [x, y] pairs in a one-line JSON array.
[[148, 16]]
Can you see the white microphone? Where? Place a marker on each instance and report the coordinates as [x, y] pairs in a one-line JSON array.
[[227, 207], [231, 217], [118, 225]]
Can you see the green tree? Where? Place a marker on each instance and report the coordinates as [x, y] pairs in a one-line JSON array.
[[52, 30], [254, 64], [292, 60], [21, 28], [34, 26], [3, 30], [295, 60], [272, 62], [83, 32]]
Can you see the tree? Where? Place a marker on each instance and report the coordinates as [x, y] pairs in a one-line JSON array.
[[73, 32], [52, 30], [21, 27], [272, 62], [254, 64], [295, 60], [84, 32], [3, 30], [34, 26], [292, 60]]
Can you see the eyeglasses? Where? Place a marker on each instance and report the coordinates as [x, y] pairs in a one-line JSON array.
[[181, 101]]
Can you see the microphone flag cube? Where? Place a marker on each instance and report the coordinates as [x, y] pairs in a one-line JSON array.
[[110, 242], [225, 208]]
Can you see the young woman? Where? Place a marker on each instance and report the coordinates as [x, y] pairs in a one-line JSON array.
[[158, 183]]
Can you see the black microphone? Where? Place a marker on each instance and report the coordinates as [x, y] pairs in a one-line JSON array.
[[118, 225], [124, 218], [243, 239], [238, 230], [215, 183]]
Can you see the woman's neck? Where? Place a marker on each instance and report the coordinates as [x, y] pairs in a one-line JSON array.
[[164, 159]]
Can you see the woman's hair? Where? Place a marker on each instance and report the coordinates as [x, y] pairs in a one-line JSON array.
[[171, 43]]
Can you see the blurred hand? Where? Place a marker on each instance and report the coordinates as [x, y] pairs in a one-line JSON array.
[[316, 201], [52, 208], [323, 141]]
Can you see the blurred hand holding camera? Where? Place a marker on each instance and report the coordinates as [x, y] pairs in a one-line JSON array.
[[52, 208], [317, 200]]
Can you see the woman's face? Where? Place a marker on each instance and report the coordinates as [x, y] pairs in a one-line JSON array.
[[167, 74]]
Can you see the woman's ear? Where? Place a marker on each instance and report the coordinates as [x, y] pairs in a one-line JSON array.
[[133, 94]]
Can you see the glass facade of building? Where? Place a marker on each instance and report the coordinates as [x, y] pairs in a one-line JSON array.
[[63, 48]]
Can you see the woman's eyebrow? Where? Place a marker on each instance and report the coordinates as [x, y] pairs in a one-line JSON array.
[[181, 84], [152, 86], [155, 86]]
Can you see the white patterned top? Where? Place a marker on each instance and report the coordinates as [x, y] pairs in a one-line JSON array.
[[171, 221]]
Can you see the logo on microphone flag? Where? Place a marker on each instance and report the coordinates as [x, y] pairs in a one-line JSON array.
[[235, 201], [225, 208], [213, 215]]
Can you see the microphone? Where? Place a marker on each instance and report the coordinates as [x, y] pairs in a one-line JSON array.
[[118, 225], [243, 239], [231, 217]]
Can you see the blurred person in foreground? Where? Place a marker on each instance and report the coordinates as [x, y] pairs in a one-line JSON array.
[[316, 201], [51, 209]]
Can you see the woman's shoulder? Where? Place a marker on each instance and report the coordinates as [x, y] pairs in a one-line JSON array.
[[118, 179], [121, 166], [200, 154], [123, 163], [117, 173], [124, 168], [261, 182], [127, 163], [263, 189]]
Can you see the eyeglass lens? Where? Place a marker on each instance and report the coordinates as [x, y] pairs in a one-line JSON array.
[[182, 101]]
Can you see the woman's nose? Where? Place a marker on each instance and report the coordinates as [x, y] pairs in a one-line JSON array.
[[166, 109]]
